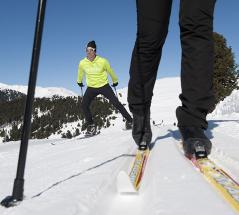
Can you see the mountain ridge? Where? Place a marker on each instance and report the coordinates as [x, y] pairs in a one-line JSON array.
[[40, 92]]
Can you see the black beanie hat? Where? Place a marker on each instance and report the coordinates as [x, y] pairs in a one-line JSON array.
[[91, 44]]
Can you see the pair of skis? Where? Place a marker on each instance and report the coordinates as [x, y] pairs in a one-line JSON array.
[[129, 182]]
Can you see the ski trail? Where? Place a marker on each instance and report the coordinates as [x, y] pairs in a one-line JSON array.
[[226, 157], [167, 186], [73, 173], [79, 177]]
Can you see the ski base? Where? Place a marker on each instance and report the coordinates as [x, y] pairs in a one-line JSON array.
[[129, 183]]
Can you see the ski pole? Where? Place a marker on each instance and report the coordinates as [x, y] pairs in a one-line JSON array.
[[116, 94], [18, 187], [81, 91]]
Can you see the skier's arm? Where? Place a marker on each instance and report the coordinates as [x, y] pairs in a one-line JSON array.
[[80, 74], [111, 72]]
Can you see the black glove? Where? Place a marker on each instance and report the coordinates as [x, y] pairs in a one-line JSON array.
[[80, 84], [114, 84]]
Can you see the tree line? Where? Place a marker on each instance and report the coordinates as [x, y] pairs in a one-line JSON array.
[[50, 115]]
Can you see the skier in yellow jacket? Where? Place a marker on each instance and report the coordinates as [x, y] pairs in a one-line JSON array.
[[96, 70]]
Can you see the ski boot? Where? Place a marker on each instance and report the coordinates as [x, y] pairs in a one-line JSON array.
[[195, 142], [128, 125], [85, 125], [142, 146], [141, 131], [91, 130]]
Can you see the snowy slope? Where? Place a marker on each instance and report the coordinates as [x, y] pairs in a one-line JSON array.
[[77, 176], [164, 102], [229, 105], [40, 91]]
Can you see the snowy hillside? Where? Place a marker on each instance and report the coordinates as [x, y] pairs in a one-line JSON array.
[[165, 100], [230, 105], [40, 91], [78, 176]]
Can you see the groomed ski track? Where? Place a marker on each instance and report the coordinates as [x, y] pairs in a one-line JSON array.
[[79, 177], [170, 186]]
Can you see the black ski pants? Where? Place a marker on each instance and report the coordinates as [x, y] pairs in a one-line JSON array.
[[196, 34], [106, 91]]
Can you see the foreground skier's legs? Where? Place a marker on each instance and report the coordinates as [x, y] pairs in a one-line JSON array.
[[153, 18], [196, 25]]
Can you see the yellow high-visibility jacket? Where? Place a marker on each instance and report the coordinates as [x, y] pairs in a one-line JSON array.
[[96, 72]]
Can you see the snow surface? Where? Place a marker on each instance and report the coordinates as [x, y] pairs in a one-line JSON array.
[[78, 176], [40, 92]]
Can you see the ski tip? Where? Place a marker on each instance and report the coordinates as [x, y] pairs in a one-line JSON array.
[[124, 185]]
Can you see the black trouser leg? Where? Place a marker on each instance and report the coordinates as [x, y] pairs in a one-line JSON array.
[[196, 25], [89, 95], [152, 18], [109, 94]]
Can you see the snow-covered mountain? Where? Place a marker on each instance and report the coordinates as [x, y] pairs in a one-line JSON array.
[[40, 92], [78, 176]]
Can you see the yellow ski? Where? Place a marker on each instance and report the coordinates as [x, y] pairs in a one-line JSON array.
[[130, 182], [221, 181]]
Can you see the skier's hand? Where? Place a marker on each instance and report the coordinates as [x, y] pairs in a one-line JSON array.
[[114, 84], [81, 84]]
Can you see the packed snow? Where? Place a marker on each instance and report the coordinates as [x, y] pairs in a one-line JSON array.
[[40, 92], [78, 176]]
